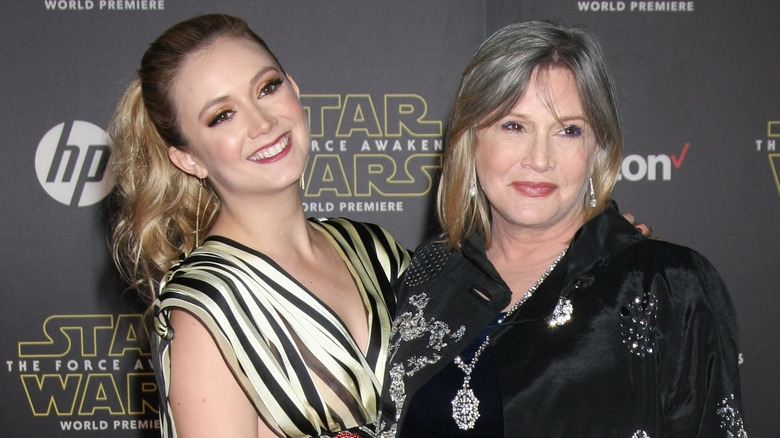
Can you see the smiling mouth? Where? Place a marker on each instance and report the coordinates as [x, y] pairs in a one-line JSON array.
[[271, 151]]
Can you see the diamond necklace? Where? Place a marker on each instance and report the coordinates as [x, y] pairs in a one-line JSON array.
[[465, 405]]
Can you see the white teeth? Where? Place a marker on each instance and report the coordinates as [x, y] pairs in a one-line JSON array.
[[272, 151]]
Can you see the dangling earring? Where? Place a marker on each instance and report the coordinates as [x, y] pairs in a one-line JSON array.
[[473, 186], [302, 181], [197, 213], [592, 193]]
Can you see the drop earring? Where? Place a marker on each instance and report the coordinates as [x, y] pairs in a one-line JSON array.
[[197, 213], [473, 186], [592, 193], [302, 181]]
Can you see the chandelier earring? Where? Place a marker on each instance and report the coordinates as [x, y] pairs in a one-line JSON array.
[[473, 186], [592, 193]]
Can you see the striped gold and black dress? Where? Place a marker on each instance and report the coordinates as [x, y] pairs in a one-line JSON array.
[[292, 355]]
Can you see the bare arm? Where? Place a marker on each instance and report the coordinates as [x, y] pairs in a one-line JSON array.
[[206, 400]]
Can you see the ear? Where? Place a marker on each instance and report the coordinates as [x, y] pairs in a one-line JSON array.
[[186, 162], [599, 153], [294, 85]]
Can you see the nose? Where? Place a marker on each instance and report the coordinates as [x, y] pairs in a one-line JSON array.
[[261, 120], [536, 154]]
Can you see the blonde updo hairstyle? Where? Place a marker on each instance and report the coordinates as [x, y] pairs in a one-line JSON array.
[[492, 84], [160, 212]]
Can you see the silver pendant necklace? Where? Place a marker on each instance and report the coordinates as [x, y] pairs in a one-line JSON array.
[[465, 405]]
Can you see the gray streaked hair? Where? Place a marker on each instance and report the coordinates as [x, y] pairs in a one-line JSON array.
[[492, 84]]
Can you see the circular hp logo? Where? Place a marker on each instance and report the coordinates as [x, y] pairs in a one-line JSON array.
[[72, 163]]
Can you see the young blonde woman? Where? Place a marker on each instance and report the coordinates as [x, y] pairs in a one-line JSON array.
[[266, 323]]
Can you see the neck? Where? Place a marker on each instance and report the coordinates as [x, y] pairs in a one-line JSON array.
[[521, 255], [272, 224], [523, 245]]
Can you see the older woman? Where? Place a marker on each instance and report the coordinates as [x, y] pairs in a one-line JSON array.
[[540, 311]]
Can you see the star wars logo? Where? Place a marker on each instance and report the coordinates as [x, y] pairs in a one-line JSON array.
[[361, 149], [93, 366]]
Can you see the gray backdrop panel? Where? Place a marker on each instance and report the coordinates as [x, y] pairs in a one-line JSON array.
[[698, 91]]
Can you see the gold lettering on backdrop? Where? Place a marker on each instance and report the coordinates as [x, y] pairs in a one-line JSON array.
[[395, 148], [774, 164], [404, 114], [373, 174], [85, 365]]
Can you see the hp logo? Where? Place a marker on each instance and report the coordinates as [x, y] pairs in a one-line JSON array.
[[72, 164]]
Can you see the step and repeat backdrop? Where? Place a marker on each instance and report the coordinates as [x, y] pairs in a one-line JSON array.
[[699, 90]]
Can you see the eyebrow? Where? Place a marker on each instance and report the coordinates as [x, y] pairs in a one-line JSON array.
[[255, 79], [567, 118], [561, 118], [262, 73]]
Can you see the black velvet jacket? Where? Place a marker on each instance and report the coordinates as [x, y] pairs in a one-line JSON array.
[[650, 349]]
